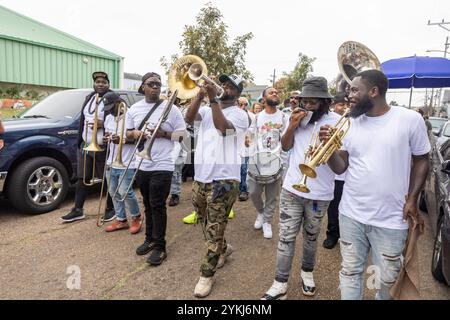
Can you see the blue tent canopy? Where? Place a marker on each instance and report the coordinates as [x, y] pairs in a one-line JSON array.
[[417, 72]]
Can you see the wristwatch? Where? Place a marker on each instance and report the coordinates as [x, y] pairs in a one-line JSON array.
[[214, 101]]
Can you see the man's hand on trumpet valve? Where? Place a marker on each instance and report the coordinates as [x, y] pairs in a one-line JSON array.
[[325, 133], [211, 90]]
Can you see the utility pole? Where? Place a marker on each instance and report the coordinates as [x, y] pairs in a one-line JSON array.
[[274, 76], [442, 25]]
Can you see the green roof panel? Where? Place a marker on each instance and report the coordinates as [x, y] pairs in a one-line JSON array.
[[16, 26]]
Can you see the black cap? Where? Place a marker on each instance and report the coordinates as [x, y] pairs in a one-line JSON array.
[[110, 99], [340, 98], [100, 74], [145, 78]]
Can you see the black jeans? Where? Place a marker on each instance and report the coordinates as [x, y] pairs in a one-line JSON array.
[[155, 189], [81, 189], [333, 211]]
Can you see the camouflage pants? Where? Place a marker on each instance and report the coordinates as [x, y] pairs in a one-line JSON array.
[[213, 203]]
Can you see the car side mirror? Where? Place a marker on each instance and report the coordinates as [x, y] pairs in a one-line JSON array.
[[436, 133], [446, 167]]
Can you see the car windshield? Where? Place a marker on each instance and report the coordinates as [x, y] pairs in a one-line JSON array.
[[437, 123], [60, 105], [446, 132]]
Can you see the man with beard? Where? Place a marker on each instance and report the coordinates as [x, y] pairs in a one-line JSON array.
[[217, 169], [297, 208], [93, 100], [340, 106], [266, 134], [381, 187], [155, 176]]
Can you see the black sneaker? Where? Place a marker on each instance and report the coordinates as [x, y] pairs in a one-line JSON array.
[[74, 215], [174, 200], [330, 242], [110, 215], [157, 257], [145, 248]]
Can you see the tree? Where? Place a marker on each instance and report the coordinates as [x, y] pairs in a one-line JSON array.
[[302, 70], [208, 39], [294, 80]]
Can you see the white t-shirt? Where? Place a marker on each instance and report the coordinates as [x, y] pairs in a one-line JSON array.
[[267, 130], [340, 177], [162, 159], [377, 180], [322, 187], [89, 113], [127, 149], [218, 157], [247, 150]]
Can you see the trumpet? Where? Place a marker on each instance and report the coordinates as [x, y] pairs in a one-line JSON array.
[[324, 151], [122, 110], [301, 187], [93, 146], [186, 76]]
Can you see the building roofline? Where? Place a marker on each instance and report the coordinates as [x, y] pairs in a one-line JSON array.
[[113, 55]]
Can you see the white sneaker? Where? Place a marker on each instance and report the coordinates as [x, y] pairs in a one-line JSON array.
[[259, 222], [223, 257], [267, 230], [308, 285], [278, 291], [203, 287]]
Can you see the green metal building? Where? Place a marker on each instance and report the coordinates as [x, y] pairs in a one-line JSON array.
[[32, 53]]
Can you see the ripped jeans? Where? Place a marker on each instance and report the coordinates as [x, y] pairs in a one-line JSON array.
[[387, 247], [296, 211]]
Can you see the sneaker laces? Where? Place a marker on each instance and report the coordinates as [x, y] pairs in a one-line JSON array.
[[308, 279]]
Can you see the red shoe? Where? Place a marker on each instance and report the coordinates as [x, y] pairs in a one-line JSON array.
[[117, 225], [136, 225]]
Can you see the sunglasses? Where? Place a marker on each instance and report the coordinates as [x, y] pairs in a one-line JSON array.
[[154, 85], [243, 104]]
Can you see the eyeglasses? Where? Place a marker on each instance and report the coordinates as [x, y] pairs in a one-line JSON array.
[[243, 104], [310, 101], [296, 98], [154, 85]]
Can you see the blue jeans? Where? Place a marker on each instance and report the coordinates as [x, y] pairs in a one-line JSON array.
[[243, 188], [387, 247], [113, 177], [175, 187]]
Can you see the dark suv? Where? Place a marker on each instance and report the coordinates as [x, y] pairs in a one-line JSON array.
[[38, 159], [435, 199]]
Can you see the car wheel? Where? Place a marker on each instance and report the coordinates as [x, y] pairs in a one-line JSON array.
[[38, 185], [436, 264], [422, 203]]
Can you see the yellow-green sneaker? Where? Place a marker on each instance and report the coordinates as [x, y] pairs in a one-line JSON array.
[[231, 215], [191, 219]]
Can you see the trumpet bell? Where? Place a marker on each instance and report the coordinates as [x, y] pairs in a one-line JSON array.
[[301, 188], [308, 171], [179, 76]]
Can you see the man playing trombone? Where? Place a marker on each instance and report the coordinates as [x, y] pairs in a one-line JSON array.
[[120, 152], [306, 207], [154, 176], [90, 165]]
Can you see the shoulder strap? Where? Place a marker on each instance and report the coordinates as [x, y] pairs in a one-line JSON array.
[[149, 114]]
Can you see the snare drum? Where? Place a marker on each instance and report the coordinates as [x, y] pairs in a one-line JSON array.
[[265, 167]]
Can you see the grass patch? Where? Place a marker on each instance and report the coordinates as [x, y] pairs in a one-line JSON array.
[[10, 113]]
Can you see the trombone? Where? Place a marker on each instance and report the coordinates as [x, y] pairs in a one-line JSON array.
[[122, 110], [146, 153], [301, 187], [93, 146]]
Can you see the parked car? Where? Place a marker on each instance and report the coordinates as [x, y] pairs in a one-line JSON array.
[[437, 124], [444, 133], [38, 157], [435, 199]]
